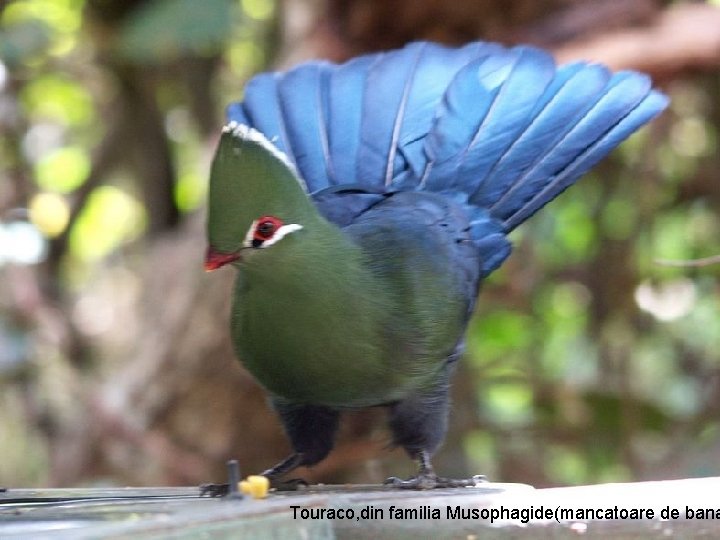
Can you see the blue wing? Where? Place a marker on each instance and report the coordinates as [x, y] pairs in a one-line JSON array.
[[502, 131]]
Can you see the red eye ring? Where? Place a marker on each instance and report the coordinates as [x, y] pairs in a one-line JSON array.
[[266, 228]]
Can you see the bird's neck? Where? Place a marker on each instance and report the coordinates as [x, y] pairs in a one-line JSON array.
[[320, 258]]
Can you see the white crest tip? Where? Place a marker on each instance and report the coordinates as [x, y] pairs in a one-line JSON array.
[[248, 133]]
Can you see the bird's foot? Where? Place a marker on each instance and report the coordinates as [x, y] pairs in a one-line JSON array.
[[214, 490], [433, 481]]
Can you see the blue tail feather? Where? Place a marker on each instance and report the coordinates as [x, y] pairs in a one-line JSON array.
[[455, 124], [401, 93], [563, 75], [303, 102], [386, 91], [507, 118], [433, 73], [624, 91], [346, 86], [236, 113], [261, 108], [640, 115], [564, 106]]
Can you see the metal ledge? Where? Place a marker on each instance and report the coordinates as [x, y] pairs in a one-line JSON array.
[[676, 508]]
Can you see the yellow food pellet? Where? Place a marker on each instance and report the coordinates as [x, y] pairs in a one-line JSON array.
[[256, 486]]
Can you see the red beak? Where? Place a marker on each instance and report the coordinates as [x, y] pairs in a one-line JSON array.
[[214, 259]]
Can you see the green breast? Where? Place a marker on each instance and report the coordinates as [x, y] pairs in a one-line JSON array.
[[330, 349]]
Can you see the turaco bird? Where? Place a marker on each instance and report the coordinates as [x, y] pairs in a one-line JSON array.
[[364, 203]]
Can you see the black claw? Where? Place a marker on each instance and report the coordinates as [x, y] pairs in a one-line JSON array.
[[432, 481], [229, 489], [214, 490], [393, 481], [427, 479]]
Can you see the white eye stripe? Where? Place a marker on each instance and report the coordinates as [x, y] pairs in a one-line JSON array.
[[283, 231], [247, 241]]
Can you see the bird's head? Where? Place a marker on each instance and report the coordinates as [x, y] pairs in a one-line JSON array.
[[257, 201]]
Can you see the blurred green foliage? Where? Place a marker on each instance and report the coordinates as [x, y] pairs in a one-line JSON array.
[[151, 33], [45, 45]]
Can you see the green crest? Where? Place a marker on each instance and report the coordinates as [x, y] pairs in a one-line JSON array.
[[250, 178]]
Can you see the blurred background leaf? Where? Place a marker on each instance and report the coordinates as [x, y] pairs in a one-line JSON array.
[[167, 29]]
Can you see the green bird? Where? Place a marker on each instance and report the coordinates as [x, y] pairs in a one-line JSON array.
[[363, 204]]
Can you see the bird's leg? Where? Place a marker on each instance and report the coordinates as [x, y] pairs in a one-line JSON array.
[[290, 463], [273, 474], [311, 430], [418, 424], [427, 479]]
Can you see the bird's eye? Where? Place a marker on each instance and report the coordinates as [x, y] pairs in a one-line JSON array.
[[266, 229]]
